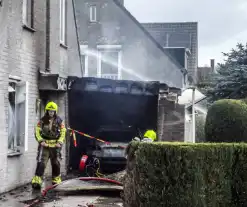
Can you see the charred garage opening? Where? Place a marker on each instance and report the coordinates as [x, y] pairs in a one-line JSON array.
[[113, 110]]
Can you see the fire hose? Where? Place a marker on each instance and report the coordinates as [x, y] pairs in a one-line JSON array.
[[46, 190], [81, 167], [95, 164]]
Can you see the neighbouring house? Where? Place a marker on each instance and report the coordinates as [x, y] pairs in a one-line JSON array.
[[38, 50], [115, 45], [204, 72], [180, 39], [178, 35]]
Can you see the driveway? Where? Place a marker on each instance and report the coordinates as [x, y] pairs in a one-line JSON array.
[[25, 194]]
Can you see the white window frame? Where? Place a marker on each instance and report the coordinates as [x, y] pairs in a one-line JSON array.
[[17, 80], [93, 10], [167, 39], [62, 22], [25, 15], [115, 48], [83, 49]]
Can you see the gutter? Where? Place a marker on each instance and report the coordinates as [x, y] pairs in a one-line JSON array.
[[197, 101], [47, 57], [77, 36]]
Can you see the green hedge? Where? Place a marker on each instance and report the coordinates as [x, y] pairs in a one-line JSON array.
[[179, 174], [226, 121]]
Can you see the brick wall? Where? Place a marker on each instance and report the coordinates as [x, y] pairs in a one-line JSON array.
[[23, 54], [170, 121], [178, 34], [17, 58]]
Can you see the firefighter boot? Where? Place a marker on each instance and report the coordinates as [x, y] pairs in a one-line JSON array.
[[56, 180], [36, 182]]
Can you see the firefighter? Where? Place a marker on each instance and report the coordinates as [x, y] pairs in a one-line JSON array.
[[50, 134], [149, 136]]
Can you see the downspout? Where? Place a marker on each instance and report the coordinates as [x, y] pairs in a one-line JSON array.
[[47, 58], [77, 36]]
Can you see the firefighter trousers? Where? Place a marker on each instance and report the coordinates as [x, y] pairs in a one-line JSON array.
[[43, 156]]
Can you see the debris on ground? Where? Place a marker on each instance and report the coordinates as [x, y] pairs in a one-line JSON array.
[[25, 195], [108, 201], [13, 198], [119, 176]]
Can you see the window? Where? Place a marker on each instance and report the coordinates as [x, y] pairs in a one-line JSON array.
[[85, 64], [84, 59], [91, 86], [109, 61], [93, 13], [136, 90], [109, 64], [63, 22], [17, 117], [28, 13], [121, 88], [186, 61], [167, 40], [107, 89]]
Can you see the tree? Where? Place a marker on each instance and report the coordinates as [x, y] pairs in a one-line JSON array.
[[226, 121], [230, 79]]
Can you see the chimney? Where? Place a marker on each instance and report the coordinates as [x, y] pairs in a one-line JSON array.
[[212, 64]]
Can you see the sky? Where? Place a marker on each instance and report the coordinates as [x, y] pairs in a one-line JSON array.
[[221, 23]]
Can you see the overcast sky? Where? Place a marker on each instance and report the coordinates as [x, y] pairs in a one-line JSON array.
[[222, 23]]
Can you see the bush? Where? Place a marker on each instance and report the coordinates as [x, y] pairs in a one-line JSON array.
[[179, 174], [200, 128], [226, 121]]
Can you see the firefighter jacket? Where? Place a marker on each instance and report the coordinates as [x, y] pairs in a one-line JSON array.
[[50, 130]]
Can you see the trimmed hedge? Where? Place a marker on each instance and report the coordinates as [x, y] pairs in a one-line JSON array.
[[179, 174], [226, 121]]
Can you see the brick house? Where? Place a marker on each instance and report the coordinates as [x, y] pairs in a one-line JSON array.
[[38, 46], [204, 72], [115, 45], [178, 35]]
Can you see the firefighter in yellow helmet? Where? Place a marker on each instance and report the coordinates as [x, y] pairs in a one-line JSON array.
[[149, 136], [50, 134]]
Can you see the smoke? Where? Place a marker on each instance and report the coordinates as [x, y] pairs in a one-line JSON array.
[[141, 58], [131, 72]]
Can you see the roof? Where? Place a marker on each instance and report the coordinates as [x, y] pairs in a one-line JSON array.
[[167, 23], [179, 32], [196, 102], [186, 97], [149, 36]]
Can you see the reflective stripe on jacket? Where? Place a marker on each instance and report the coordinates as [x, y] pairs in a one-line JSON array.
[[51, 141]]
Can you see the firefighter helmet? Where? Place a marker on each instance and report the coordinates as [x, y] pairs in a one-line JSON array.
[[51, 106], [151, 134]]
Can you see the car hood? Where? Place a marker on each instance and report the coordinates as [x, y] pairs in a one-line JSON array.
[[113, 145]]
